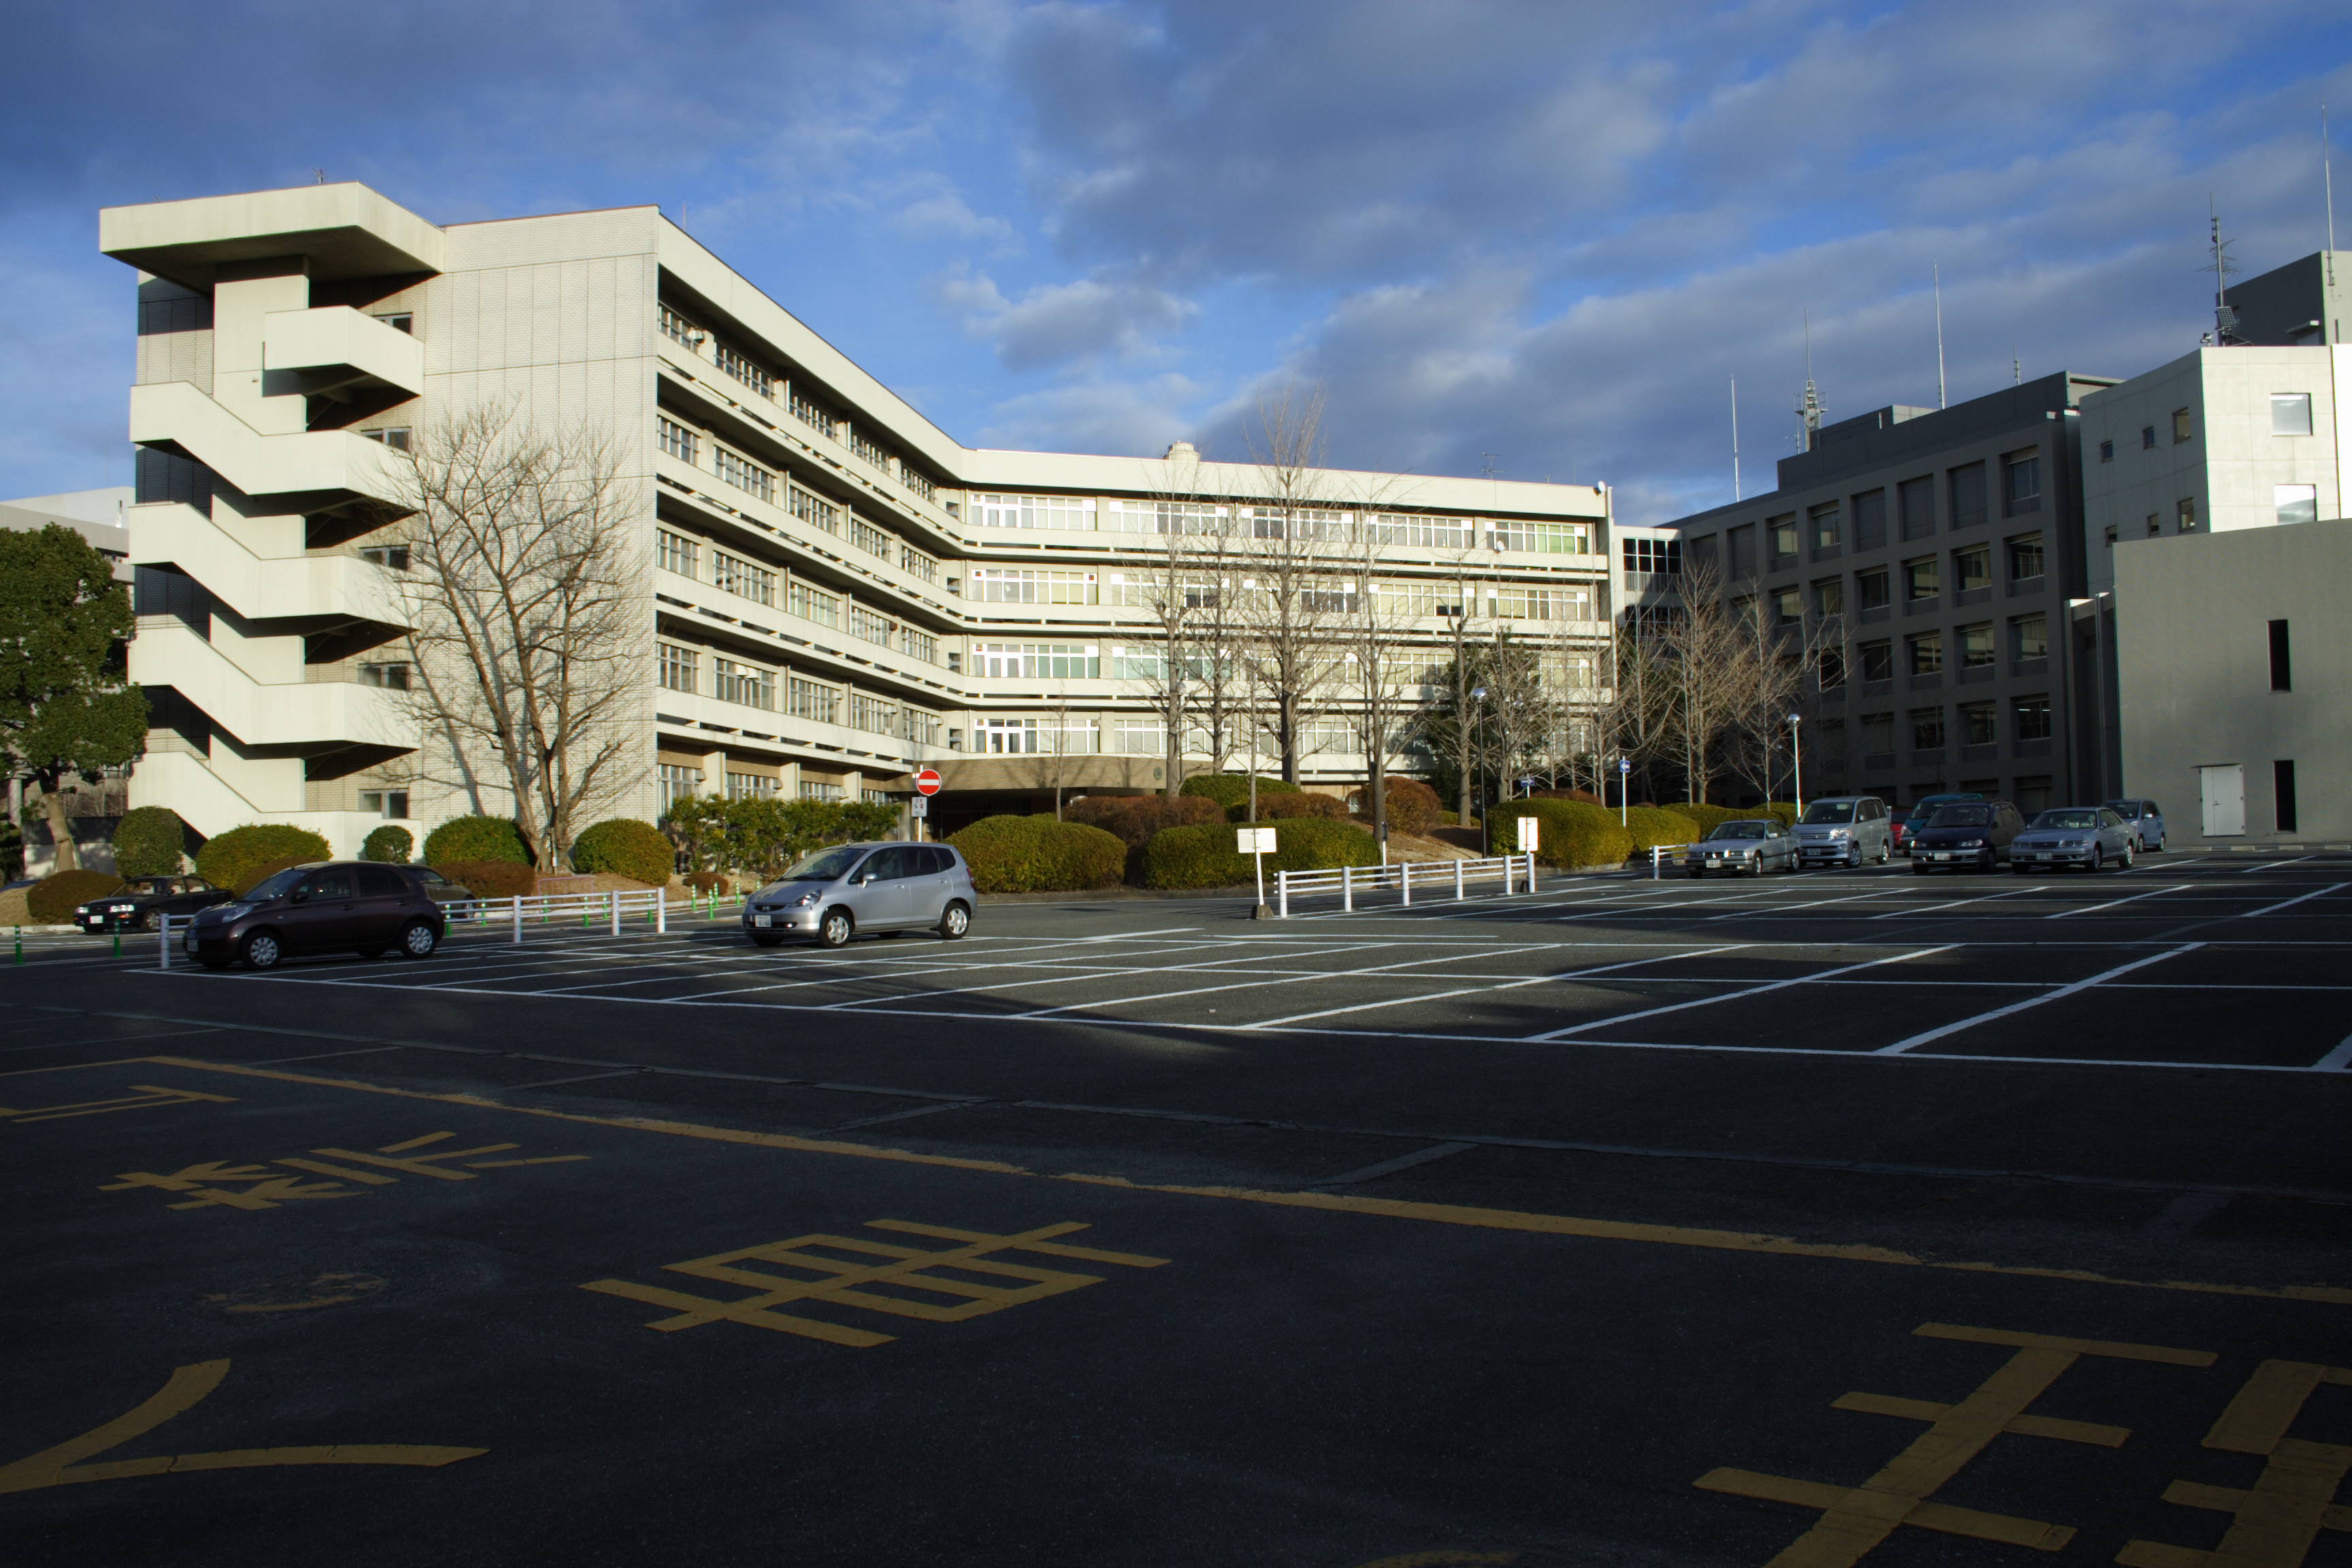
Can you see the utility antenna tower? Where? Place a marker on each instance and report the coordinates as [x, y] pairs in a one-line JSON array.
[[1938, 272], [1735, 440], [2225, 319], [1809, 410], [2327, 184]]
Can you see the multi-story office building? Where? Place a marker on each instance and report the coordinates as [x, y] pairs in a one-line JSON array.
[[836, 590], [1930, 556], [2190, 474]]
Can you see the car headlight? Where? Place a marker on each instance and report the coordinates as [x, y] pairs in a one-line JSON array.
[[1971, 844], [81, 909], [1841, 833], [126, 909]]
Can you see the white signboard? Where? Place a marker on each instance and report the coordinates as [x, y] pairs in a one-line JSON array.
[[1527, 835], [1253, 841], [918, 806]]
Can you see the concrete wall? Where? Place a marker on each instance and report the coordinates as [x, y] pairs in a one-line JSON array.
[[2193, 640]]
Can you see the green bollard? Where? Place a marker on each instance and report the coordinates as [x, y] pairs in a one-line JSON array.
[[20, 944], [118, 942]]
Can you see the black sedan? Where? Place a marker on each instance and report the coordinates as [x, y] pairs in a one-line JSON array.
[[1966, 835], [138, 902]]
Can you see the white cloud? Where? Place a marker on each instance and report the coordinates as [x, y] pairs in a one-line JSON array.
[[1130, 419], [1054, 325]]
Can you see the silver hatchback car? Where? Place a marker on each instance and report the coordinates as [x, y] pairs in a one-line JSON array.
[[835, 893]]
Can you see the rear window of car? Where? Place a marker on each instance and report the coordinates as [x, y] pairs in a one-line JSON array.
[[936, 861], [380, 882]]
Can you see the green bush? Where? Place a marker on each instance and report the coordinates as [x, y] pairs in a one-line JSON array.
[[1654, 824], [1204, 857], [491, 879], [1305, 804], [1785, 810], [637, 850], [1414, 806], [706, 882], [1230, 790], [1037, 854], [149, 841], [762, 836], [1136, 817], [389, 845], [52, 899], [1708, 817], [474, 838], [1585, 795], [1574, 834], [242, 856]]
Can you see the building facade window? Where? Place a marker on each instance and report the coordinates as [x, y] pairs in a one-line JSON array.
[[1788, 606], [1653, 557], [1926, 729], [2021, 483], [2030, 717], [1004, 737], [813, 702], [2296, 503], [1870, 520], [746, 684], [872, 714], [750, 786], [737, 576], [809, 411], [1013, 586], [920, 646], [2282, 659], [1829, 668], [810, 603], [867, 449], [744, 474], [1922, 578], [675, 552], [1537, 604], [680, 668], [1826, 523], [2029, 637], [2290, 413], [1871, 588], [813, 509], [1914, 501], [1967, 487], [677, 783], [2025, 562], [1829, 597], [1780, 536], [1421, 532], [386, 803], [678, 328], [1877, 660], [2180, 425], [1977, 649], [1979, 724], [2147, 437], [1926, 653], [677, 440], [870, 539], [868, 627], [739, 366], [391, 557], [393, 677], [1972, 569], [818, 789], [1037, 661], [2282, 794], [2187, 512], [2106, 451]]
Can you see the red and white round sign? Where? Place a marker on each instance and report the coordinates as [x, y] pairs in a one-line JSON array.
[[926, 781]]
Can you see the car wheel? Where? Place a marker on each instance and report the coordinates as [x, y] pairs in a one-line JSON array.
[[2160, 842], [262, 950], [144, 923], [1886, 853], [2098, 859], [418, 939], [835, 931], [766, 939], [955, 921], [2126, 862]]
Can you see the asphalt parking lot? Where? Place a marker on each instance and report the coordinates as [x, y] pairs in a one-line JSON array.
[[1927, 1219]]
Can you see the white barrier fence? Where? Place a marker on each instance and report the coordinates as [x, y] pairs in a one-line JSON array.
[[611, 911], [1516, 873]]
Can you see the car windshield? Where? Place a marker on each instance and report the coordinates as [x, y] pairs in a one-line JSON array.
[[2125, 808], [2075, 819], [1960, 816], [826, 865], [147, 888], [275, 887], [1830, 811], [1739, 830]]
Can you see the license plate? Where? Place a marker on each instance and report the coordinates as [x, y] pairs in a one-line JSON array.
[[764, 920], [2040, 855], [1940, 854]]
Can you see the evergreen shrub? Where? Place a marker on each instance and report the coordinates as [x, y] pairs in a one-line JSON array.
[[1654, 824], [1136, 817], [491, 879], [52, 899], [242, 856], [1574, 834], [1708, 817], [1204, 857], [389, 845], [1037, 854], [149, 841], [1305, 804], [469, 839], [1230, 790], [637, 850], [1414, 806]]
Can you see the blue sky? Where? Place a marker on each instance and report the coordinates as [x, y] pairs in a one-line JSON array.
[[1549, 231]]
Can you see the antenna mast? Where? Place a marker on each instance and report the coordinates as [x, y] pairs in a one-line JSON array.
[[2327, 183], [1938, 270], [1735, 440], [1809, 412], [2225, 318]]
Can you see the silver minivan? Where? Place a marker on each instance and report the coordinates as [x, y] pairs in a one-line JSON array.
[[1845, 830], [838, 892]]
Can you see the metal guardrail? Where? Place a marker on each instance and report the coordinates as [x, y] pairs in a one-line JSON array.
[[613, 910], [1515, 872]]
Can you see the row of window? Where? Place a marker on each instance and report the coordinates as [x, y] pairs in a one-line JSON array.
[[1396, 601], [1081, 514], [679, 782], [1921, 579], [1929, 653], [2289, 504], [1978, 725], [752, 686], [2290, 415], [1860, 521], [679, 554], [759, 378]]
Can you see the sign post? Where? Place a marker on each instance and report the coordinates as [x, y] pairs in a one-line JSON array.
[[927, 785], [1528, 829], [1257, 843], [1624, 789]]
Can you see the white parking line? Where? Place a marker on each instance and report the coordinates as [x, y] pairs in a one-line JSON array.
[[1248, 985], [2111, 903], [2331, 887], [1116, 974], [2337, 1060], [1955, 903], [1899, 1047], [1507, 985], [1783, 909], [1736, 996], [2275, 865]]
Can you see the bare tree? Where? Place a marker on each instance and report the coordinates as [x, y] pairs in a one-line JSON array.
[[1456, 710], [1295, 594], [525, 615], [1187, 680], [1368, 637], [1638, 720], [1773, 656], [1704, 647]]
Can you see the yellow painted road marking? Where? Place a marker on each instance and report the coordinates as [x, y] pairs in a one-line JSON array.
[[208, 1183], [2274, 1523], [62, 1466], [859, 1283], [1394, 1208], [1855, 1520], [148, 1094]]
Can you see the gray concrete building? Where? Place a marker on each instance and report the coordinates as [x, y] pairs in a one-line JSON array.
[[1933, 554]]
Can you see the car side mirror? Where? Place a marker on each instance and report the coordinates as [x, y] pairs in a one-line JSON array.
[[299, 895]]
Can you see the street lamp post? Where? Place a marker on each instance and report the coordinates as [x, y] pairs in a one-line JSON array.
[[1462, 746], [1797, 760]]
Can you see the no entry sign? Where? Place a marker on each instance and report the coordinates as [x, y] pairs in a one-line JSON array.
[[926, 781]]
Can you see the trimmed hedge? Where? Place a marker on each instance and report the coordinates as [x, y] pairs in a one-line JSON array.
[[1708, 817], [1230, 790], [1654, 824], [389, 845], [1414, 806], [1037, 854], [1136, 817], [1585, 795], [52, 899], [1204, 857], [706, 882], [1573, 835], [149, 841], [637, 850], [469, 839], [762, 836], [491, 879], [1292, 807], [242, 856]]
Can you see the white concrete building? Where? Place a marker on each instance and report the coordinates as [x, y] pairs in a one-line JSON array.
[[2212, 490], [839, 591]]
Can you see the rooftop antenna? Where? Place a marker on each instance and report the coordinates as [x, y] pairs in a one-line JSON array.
[[1735, 440], [2225, 319], [1809, 412], [2016, 367], [320, 174], [2327, 183], [1939, 271]]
